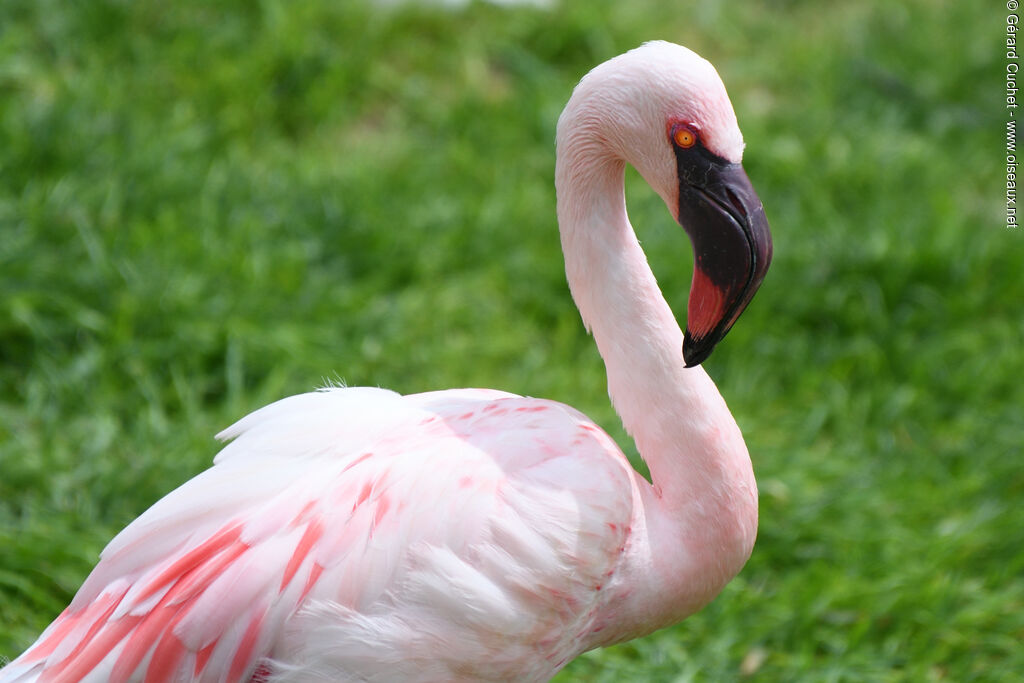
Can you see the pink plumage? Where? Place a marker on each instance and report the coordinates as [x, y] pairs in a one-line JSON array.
[[355, 534]]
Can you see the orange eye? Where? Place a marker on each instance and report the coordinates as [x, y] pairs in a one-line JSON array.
[[684, 137]]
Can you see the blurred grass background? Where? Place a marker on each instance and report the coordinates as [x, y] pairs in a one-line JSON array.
[[208, 206]]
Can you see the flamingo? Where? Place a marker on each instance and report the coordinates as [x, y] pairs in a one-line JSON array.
[[353, 534]]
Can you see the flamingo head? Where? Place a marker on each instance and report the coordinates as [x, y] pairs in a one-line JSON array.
[[664, 109]]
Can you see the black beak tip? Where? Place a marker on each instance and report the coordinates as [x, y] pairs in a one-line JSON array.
[[696, 351]]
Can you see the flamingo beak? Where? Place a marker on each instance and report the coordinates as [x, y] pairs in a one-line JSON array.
[[732, 247]]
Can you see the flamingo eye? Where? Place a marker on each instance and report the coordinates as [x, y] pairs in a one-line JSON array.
[[684, 136]]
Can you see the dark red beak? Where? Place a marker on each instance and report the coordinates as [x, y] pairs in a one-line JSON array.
[[732, 246]]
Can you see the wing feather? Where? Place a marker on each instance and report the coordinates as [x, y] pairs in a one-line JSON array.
[[351, 517]]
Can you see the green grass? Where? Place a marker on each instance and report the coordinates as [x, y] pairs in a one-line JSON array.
[[208, 206]]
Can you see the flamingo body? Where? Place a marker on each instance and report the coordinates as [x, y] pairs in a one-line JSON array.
[[455, 554], [353, 534]]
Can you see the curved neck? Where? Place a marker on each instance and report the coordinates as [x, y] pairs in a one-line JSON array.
[[681, 425], [701, 510]]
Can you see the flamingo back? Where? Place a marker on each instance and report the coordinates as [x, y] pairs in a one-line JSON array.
[[355, 534]]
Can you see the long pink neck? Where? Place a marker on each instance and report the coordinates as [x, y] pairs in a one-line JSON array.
[[701, 510]]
